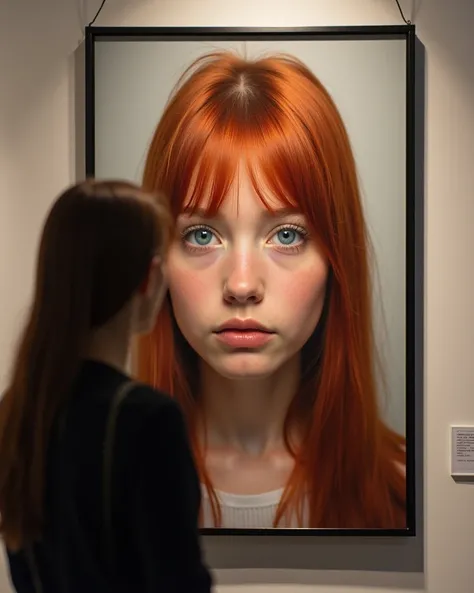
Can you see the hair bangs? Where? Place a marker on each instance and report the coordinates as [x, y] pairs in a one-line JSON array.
[[274, 154], [205, 159], [286, 169]]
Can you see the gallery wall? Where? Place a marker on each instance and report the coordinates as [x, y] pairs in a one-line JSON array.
[[38, 87]]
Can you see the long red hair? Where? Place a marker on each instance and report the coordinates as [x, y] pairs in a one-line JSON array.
[[274, 115]]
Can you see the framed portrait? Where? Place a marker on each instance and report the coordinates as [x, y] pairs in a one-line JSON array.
[[288, 331]]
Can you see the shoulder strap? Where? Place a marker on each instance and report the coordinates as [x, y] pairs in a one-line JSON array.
[[32, 565], [109, 440], [108, 455]]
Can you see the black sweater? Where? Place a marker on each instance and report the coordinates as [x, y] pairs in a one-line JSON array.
[[155, 498]]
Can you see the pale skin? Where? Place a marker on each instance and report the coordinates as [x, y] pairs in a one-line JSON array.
[[246, 263]]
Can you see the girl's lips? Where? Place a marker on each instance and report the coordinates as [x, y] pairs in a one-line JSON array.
[[244, 338], [243, 325]]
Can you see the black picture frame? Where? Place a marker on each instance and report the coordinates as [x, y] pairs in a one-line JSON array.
[[94, 35]]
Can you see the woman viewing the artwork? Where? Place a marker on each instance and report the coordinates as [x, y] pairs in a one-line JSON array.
[[266, 336], [98, 488]]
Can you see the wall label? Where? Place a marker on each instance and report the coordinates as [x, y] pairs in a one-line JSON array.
[[462, 451]]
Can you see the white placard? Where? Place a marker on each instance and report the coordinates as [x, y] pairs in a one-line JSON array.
[[462, 450]]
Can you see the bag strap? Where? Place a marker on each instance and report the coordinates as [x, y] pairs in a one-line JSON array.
[[109, 441], [33, 566], [108, 458]]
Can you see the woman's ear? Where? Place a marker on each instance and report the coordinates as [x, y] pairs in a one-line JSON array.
[[154, 273]]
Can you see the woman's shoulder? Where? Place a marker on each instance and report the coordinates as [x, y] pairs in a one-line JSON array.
[[141, 394], [144, 402], [149, 420]]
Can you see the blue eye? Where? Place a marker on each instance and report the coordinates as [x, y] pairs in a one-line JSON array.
[[287, 236], [198, 237], [201, 237], [290, 236]]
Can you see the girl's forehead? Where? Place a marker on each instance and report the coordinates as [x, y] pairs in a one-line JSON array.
[[243, 196], [236, 209]]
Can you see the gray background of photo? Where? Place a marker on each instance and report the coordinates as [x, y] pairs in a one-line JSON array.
[[366, 78]]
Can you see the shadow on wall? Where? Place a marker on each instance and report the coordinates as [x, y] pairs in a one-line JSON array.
[[410, 8], [356, 561], [450, 22]]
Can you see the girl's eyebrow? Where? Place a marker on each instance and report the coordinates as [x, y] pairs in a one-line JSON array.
[[282, 212], [199, 212]]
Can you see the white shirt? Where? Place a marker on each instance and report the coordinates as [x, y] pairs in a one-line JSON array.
[[245, 511]]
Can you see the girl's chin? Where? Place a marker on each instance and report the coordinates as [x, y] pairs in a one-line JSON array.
[[245, 365]]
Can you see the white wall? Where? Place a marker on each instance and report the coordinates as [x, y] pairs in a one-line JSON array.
[[37, 40]]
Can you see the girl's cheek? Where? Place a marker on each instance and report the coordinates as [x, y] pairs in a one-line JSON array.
[[187, 287]]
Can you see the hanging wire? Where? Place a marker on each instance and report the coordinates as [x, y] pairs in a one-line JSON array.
[[97, 13], [401, 13]]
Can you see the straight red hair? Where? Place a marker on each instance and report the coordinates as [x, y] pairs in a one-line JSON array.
[[277, 118]]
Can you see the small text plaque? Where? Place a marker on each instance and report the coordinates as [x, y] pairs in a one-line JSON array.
[[462, 450]]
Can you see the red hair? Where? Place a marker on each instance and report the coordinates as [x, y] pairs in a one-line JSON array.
[[274, 115]]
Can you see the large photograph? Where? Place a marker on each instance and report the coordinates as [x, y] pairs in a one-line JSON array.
[[285, 334]]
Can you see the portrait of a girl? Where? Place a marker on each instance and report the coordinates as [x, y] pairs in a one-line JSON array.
[[266, 338]]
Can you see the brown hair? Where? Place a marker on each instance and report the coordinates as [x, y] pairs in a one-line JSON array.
[[96, 248], [276, 116]]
